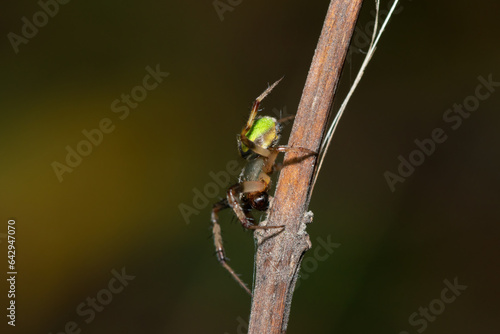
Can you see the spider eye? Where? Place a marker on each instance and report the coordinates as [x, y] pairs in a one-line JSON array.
[[261, 202]]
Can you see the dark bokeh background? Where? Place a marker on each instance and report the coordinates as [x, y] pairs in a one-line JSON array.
[[119, 208]]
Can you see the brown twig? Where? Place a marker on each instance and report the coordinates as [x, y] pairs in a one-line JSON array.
[[278, 258]]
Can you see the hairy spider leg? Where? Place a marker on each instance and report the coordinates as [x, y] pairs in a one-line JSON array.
[[219, 248]]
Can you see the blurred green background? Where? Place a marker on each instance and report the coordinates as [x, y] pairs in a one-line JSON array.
[[119, 208]]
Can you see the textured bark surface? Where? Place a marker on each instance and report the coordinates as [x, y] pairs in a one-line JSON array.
[[279, 254]]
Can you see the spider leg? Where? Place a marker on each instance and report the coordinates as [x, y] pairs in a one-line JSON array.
[[286, 119], [245, 217], [253, 146], [255, 107], [270, 165], [219, 249], [283, 148], [253, 186], [271, 153]]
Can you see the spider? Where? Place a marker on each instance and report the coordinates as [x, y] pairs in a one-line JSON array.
[[258, 144]]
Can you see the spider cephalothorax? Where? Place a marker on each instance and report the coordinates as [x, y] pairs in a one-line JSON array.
[[258, 144]]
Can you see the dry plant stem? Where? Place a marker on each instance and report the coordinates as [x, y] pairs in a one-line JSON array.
[[279, 254]]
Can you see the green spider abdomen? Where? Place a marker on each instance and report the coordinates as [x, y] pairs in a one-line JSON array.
[[265, 132]]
